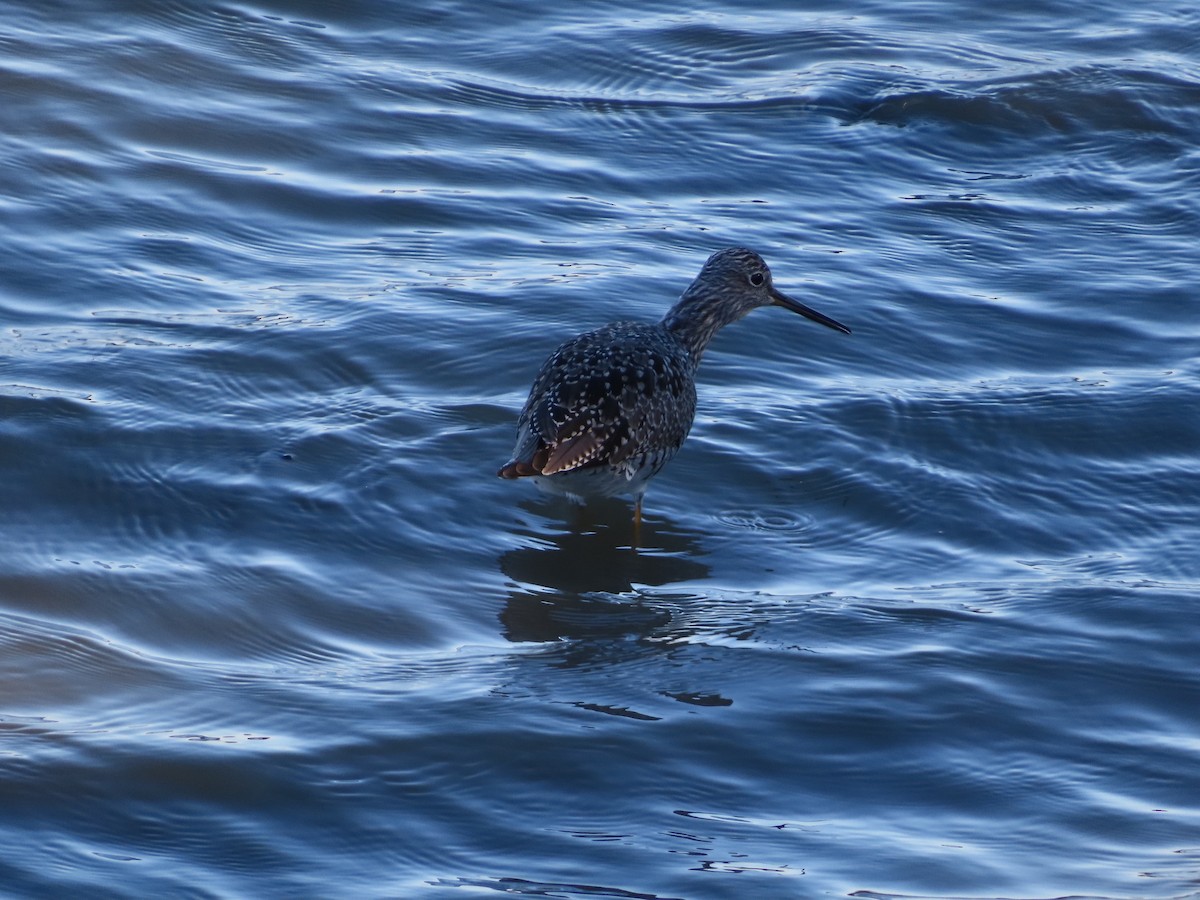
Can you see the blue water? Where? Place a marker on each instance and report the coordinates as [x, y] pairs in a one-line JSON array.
[[914, 612]]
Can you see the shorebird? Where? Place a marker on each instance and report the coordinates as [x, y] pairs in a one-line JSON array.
[[611, 407]]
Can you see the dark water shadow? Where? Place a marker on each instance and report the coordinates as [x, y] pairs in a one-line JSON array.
[[583, 582]]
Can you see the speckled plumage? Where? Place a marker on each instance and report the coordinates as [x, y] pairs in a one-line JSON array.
[[611, 407]]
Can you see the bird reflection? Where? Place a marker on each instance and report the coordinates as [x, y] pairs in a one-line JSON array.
[[579, 584]]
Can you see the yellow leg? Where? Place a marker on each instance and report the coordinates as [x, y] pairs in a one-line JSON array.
[[637, 523]]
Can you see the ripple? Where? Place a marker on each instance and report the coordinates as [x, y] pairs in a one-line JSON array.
[[777, 520], [530, 98], [1086, 100]]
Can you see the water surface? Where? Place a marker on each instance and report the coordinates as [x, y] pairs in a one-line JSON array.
[[913, 613]]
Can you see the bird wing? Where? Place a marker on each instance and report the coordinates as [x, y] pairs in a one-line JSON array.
[[603, 397]]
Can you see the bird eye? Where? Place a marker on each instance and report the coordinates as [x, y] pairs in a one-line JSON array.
[[757, 279]]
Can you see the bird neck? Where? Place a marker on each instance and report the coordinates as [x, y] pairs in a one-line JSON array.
[[697, 317]]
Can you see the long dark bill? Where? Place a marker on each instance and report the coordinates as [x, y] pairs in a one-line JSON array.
[[807, 311]]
